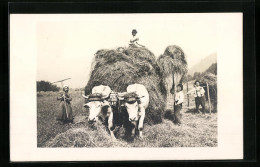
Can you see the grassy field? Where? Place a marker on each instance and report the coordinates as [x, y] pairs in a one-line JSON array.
[[197, 130]]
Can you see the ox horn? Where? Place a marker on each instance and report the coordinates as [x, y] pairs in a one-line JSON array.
[[86, 97]]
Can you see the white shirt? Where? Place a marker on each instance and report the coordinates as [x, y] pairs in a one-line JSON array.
[[179, 97], [134, 40], [198, 91]]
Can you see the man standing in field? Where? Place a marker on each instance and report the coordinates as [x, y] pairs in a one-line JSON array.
[[133, 42], [65, 113], [198, 92]]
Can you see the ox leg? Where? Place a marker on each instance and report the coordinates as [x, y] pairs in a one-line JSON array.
[[110, 123], [141, 121], [133, 127]]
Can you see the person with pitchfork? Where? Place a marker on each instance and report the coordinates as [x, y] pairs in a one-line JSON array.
[[65, 112]]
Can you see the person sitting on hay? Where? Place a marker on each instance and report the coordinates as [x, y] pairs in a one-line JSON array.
[[65, 113], [198, 92], [133, 42], [179, 98]]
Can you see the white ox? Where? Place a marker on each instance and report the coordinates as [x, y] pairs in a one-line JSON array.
[[136, 109], [95, 106]]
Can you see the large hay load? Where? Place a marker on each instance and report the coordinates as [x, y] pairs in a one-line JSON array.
[[124, 66], [211, 79], [173, 68]]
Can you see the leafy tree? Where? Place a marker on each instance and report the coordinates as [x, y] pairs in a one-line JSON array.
[[46, 86], [197, 76], [187, 78], [212, 69]]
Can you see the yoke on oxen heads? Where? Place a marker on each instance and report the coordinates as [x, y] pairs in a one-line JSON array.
[[131, 103], [131, 100], [94, 103], [94, 97], [129, 97], [136, 102]]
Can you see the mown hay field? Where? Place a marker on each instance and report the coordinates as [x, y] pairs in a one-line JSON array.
[[197, 130]]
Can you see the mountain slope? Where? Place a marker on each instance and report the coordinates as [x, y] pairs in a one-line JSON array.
[[204, 64]]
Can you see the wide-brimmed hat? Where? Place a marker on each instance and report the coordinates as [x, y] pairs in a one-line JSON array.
[[134, 31]]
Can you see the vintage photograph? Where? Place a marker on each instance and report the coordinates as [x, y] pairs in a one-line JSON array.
[[135, 80], [120, 87]]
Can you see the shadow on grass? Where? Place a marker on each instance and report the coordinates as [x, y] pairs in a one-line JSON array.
[[193, 111], [169, 114]]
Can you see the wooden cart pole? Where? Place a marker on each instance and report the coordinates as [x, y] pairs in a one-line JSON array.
[[188, 95], [209, 98]]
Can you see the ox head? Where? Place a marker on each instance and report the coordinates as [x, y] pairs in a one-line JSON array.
[[94, 104], [131, 101]]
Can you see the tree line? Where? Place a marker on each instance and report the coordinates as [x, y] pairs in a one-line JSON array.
[[46, 86]]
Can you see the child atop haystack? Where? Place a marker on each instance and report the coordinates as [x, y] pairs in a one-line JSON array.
[[133, 42], [179, 97], [65, 113], [198, 92]]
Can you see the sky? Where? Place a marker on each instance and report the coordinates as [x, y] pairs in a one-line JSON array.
[[66, 44]]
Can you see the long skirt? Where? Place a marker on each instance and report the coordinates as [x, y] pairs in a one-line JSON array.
[[65, 112]]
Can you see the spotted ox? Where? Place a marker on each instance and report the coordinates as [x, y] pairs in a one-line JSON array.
[[96, 102], [136, 101]]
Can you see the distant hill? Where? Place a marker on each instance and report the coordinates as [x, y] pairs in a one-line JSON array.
[[212, 69], [204, 64]]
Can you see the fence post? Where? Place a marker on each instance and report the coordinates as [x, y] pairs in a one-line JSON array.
[[188, 95], [209, 98]]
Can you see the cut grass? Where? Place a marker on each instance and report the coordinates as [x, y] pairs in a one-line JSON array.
[[197, 130]]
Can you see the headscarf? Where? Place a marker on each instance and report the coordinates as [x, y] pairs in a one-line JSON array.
[[65, 86]]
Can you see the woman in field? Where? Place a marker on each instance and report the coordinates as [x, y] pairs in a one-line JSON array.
[[198, 92], [65, 113], [179, 97]]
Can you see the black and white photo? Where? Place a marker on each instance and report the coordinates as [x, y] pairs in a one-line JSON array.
[[128, 83]]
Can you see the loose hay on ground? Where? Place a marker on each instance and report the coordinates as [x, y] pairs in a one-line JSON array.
[[84, 137], [197, 130]]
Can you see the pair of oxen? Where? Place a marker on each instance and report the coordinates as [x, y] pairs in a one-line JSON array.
[[135, 100]]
